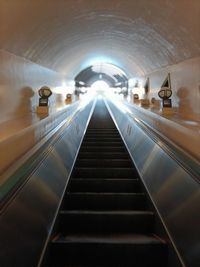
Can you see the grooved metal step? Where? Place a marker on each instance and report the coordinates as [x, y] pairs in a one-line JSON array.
[[102, 138], [105, 201], [104, 218], [103, 149], [104, 163], [119, 250], [102, 143], [104, 185], [89, 221], [103, 155], [99, 130], [102, 135], [105, 173]]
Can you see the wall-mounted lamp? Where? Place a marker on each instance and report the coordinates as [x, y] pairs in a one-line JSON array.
[[165, 92], [44, 93], [68, 99]]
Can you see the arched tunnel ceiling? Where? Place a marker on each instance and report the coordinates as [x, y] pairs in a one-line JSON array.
[[109, 73], [69, 35]]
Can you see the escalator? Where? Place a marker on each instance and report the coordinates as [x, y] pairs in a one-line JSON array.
[[105, 218]]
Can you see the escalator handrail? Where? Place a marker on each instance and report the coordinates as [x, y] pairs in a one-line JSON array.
[[189, 163]]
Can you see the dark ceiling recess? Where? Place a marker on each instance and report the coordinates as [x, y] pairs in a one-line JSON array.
[[109, 73]]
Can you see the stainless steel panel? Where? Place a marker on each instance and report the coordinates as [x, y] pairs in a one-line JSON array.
[[173, 190], [25, 224]]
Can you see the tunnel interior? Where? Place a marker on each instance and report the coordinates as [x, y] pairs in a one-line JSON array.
[[108, 73], [70, 45], [51, 43], [67, 36]]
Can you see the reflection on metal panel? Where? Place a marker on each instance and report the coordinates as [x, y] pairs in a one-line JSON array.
[[27, 220], [29, 140], [175, 193]]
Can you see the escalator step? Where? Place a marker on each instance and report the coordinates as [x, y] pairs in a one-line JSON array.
[[104, 173], [104, 163], [104, 185], [102, 138], [102, 134], [103, 155], [104, 218], [102, 143], [105, 201], [87, 221], [102, 129], [112, 250], [119, 149]]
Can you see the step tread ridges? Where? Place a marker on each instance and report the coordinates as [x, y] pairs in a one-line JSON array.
[[104, 210], [109, 238]]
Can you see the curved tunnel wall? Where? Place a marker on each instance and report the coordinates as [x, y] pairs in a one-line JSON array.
[[46, 42], [141, 37], [20, 80]]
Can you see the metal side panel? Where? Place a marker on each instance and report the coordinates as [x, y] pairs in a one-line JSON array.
[[26, 222], [173, 190]]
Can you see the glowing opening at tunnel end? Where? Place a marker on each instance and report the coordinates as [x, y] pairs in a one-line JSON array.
[[100, 87]]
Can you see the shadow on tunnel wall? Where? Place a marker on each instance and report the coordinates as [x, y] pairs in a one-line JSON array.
[[25, 103], [21, 136], [19, 111], [185, 109]]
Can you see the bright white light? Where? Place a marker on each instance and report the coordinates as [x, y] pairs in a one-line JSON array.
[[63, 84], [97, 59], [131, 82], [72, 83], [100, 87], [66, 87], [81, 83]]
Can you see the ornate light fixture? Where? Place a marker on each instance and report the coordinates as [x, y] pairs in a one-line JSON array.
[[44, 93], [165, 92]]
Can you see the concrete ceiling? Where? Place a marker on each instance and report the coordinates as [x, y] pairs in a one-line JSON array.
[[139, 36]]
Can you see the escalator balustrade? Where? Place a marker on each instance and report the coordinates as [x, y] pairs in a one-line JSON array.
[[104, 218]]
